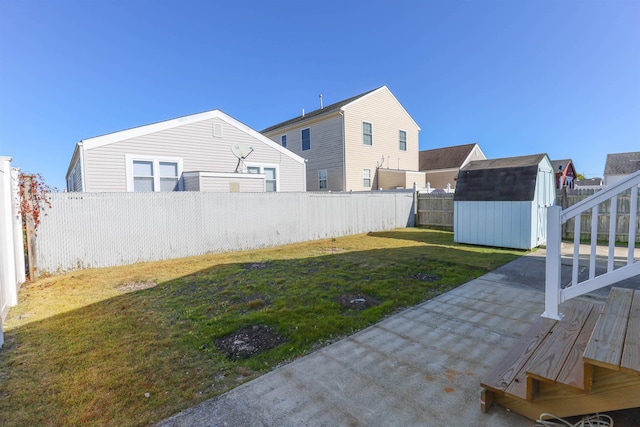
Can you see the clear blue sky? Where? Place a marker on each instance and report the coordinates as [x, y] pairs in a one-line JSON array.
[[518, 77]]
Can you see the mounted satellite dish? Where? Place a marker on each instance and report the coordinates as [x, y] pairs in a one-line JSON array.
[[241, 151]]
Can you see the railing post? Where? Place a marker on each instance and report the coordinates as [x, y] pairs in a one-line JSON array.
[[553, 264]]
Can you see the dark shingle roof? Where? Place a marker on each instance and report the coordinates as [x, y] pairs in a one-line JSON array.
[[588, 181], [326, 110], [560, 165], [622, 163], [497, 180], [444, 158]]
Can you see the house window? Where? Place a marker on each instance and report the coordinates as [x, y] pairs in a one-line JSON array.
[[322, 179], [270, 179], [169, 176], [153, 174], [366, 177], [143, 176], [270, 175], [367, 134], [306, 139], [283, 140], [403, 140]]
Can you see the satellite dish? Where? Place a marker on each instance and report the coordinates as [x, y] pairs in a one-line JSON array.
[[241, 151]]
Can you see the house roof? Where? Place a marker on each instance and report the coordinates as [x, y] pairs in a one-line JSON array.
[[506, 179], [446, 157], [138, 131], [560, 165], [588, 181], [622, 163], [332, 108]]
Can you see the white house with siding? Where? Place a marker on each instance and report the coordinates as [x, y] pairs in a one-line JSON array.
[[190, 153], [366, 142]]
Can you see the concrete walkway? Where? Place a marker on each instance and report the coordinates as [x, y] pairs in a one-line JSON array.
[[420, 367]]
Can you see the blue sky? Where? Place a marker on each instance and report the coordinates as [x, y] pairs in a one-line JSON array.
[[518, 77]]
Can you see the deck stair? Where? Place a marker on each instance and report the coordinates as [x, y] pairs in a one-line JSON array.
[[585, 363]]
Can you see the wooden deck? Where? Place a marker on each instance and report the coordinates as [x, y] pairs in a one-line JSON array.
[[587, 362]]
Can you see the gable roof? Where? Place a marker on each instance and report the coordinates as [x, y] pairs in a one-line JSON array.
[[506, 179], [560, 165], [446, 157], [332, 108], [622, 163], [110, 138]]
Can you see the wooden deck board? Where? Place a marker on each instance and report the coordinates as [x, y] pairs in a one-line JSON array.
[[605, 347], [612, 390], [631, 351], [573, 373], [551, 356], [507, 371]]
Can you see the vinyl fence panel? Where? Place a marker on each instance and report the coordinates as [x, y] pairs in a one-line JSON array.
[[86, 230]]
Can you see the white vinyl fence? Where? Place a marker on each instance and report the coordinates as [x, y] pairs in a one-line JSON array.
[[12, 273], [85, 230]]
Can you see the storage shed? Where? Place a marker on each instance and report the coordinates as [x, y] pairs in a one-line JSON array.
[[503, 202]]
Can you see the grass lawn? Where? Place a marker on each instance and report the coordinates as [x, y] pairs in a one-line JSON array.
[[133, 345]]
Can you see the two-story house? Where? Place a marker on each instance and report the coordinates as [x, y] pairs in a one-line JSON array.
[[366, 142]]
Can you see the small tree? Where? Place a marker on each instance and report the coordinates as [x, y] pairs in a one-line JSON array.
[[34, 198]]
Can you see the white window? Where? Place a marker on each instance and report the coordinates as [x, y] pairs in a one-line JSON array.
[[322, 179], [283, 140], [366, 177], [270, 175], [153, 174], [306, 139], [403, 140], [367, 133]]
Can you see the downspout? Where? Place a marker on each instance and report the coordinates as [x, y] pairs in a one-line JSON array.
[[82, 175], [344, 154]]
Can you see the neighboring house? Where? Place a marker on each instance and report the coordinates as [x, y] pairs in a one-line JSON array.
[[191, 153], [365, 142], [589, 183], [503, 202], [565, 173], [442, 165], [620, 165]]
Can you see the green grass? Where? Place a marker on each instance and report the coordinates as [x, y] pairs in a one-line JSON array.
[[83, 348]]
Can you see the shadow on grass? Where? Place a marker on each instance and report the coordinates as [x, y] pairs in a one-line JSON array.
[[142, 356]]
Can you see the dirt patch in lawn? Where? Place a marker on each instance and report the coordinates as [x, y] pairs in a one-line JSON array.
[[425, 277], [357, 301], [136, 286], [248, 341]]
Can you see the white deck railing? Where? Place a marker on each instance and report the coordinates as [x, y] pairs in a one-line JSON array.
[[554, 293]]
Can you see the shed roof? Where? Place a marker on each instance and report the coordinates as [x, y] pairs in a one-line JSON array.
[[498, 180], [445, 158], [622, 163]]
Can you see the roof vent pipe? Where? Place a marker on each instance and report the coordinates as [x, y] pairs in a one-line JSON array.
[[321, 107], [303, 112]]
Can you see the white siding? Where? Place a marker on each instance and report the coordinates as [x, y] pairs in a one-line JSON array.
[[224, 182], [326, 150], [387, 117], [440, 179], [196, 145]]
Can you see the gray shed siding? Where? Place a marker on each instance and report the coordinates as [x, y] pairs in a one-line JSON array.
[[198, 148], [74, 182]]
